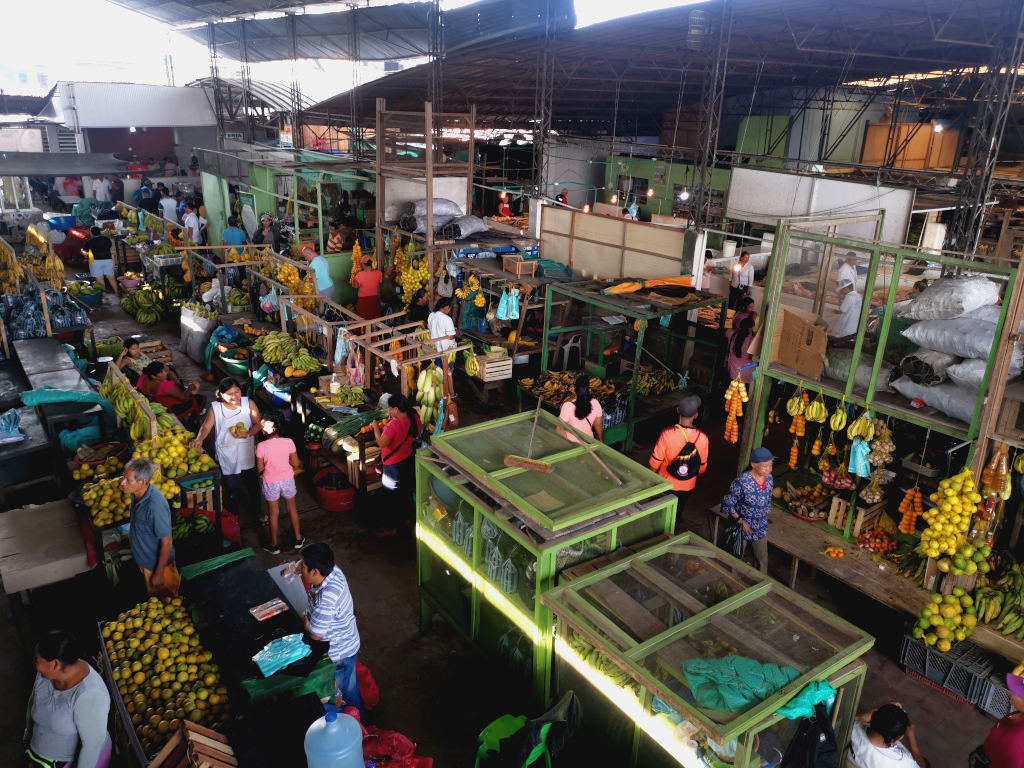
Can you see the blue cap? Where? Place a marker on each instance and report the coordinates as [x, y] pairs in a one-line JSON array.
[[759, 455], [330, 717]]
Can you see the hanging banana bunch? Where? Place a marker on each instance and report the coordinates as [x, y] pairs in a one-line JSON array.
[[838, 420], [861, 427], [816, 410], [795, 405]]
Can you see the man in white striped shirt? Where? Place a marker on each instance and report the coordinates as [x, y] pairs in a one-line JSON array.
[[330, 618]]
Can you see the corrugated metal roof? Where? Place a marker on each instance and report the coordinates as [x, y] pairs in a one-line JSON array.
[[385, 32], [58, 164], [177, 13], [115, 105], [277, 97], [624, 74]]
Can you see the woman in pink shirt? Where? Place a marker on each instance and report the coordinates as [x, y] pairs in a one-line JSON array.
[[368, 282], [276, 462], [397, 442], [582, 412], [738, 340]]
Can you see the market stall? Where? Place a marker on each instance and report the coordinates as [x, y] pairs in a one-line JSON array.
[[877, 429], [492, 538], [615, 326], [660, 633]]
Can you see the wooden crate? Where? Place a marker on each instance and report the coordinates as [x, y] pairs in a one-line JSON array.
[[156, 351], [863, 522], [494, 366], [198, 499], [195, 746], [513, 262]]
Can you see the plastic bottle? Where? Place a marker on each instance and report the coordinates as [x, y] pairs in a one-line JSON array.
[[335, 385], [334, 741]]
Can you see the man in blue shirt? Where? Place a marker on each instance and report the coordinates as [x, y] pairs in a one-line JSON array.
[[149, 532], [234, 236], [330, 617]]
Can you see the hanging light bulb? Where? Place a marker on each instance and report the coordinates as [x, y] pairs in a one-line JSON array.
[[650, 192], [684, 195], [586, 208], [503, 195], [615, 199]]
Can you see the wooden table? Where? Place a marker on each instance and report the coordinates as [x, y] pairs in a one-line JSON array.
[[878, 579]]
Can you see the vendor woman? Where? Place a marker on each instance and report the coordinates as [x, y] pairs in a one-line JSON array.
[[135, 360], [156, 384], [368, 281], [234, 445]]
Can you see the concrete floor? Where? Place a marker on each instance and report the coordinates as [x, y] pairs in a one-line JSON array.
[[434, 687]]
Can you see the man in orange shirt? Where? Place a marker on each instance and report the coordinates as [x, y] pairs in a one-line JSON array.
[[681, 453]]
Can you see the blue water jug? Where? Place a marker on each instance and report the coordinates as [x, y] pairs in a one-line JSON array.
[[334, 741]]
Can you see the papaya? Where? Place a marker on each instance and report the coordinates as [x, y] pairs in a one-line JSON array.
[[299, 373], [289, 371]]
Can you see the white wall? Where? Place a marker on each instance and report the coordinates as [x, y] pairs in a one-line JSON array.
[[399, 192], [571, 165], [766, 196]]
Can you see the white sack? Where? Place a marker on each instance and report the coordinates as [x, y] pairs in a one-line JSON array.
[[946, 397], [951, 297]]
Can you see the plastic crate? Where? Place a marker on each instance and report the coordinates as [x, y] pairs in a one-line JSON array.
[[997, 700], [937, 666], [979, 690], [914, 654], [959, 681]]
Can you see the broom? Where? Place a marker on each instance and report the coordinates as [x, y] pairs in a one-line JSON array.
[[526, 462]]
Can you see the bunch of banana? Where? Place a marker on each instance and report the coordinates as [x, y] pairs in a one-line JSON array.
[[1019, 670], [357, 262], [838, 420], [472, 364], [288, 274], [53, 270], [795, 405], [1003, 599], [165, 420], [816, 410], [1018, 463], [861, 427], [276, 347], [429, 393]]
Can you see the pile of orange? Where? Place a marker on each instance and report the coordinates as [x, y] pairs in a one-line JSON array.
[[162, 671]]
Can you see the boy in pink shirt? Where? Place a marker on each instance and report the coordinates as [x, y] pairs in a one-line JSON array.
[[276, 462]]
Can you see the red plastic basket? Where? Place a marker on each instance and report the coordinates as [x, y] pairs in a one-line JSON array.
[[228, 522], [334, 499]]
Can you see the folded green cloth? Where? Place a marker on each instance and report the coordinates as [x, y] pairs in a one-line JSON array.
[[734, 683]]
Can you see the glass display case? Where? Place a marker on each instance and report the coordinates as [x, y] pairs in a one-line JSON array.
[[696, 648], [491, 539]]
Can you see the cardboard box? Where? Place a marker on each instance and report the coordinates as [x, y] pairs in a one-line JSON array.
[[798, 343]]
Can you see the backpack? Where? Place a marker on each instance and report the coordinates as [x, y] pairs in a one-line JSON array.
[[687, 463], [814, 744]]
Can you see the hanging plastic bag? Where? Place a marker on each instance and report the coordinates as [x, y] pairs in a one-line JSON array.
[[342, 348], [269, 302], [354, 368], [502, 312], [859, 464], [513, 305], [731, 540]]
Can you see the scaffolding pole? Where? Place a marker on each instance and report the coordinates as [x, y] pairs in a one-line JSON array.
[[542, 102], [993, 101], [710, 120]]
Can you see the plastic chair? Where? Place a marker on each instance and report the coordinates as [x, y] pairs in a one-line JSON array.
[[575, 342], [508, 725]]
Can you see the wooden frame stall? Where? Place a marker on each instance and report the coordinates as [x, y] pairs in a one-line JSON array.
[[396, 132], [645, 311]]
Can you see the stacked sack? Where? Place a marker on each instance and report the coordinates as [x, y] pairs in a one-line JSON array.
[[957, 318]]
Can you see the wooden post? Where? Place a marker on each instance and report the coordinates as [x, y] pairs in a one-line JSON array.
[[428, 135], [470, 160], [381, 183]]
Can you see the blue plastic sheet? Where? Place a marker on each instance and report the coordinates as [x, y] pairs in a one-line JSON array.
[[73, 439], [279, 653]]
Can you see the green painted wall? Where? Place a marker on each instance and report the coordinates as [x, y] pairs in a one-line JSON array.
[[264, 178], [215, 200], [758, 134], [649, 168]]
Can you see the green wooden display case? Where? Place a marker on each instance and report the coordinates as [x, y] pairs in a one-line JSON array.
[[491, 539], [630, 628]]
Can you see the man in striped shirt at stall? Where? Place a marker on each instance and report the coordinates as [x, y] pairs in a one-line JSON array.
[[330, 617]]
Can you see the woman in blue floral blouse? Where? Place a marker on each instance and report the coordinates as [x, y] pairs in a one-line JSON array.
[[749, 500]]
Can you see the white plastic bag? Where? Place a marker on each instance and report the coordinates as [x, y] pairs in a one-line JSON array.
[[968, 374], [946, 397], [212, 295], [990, 314], [837, 366], [951, 297]]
